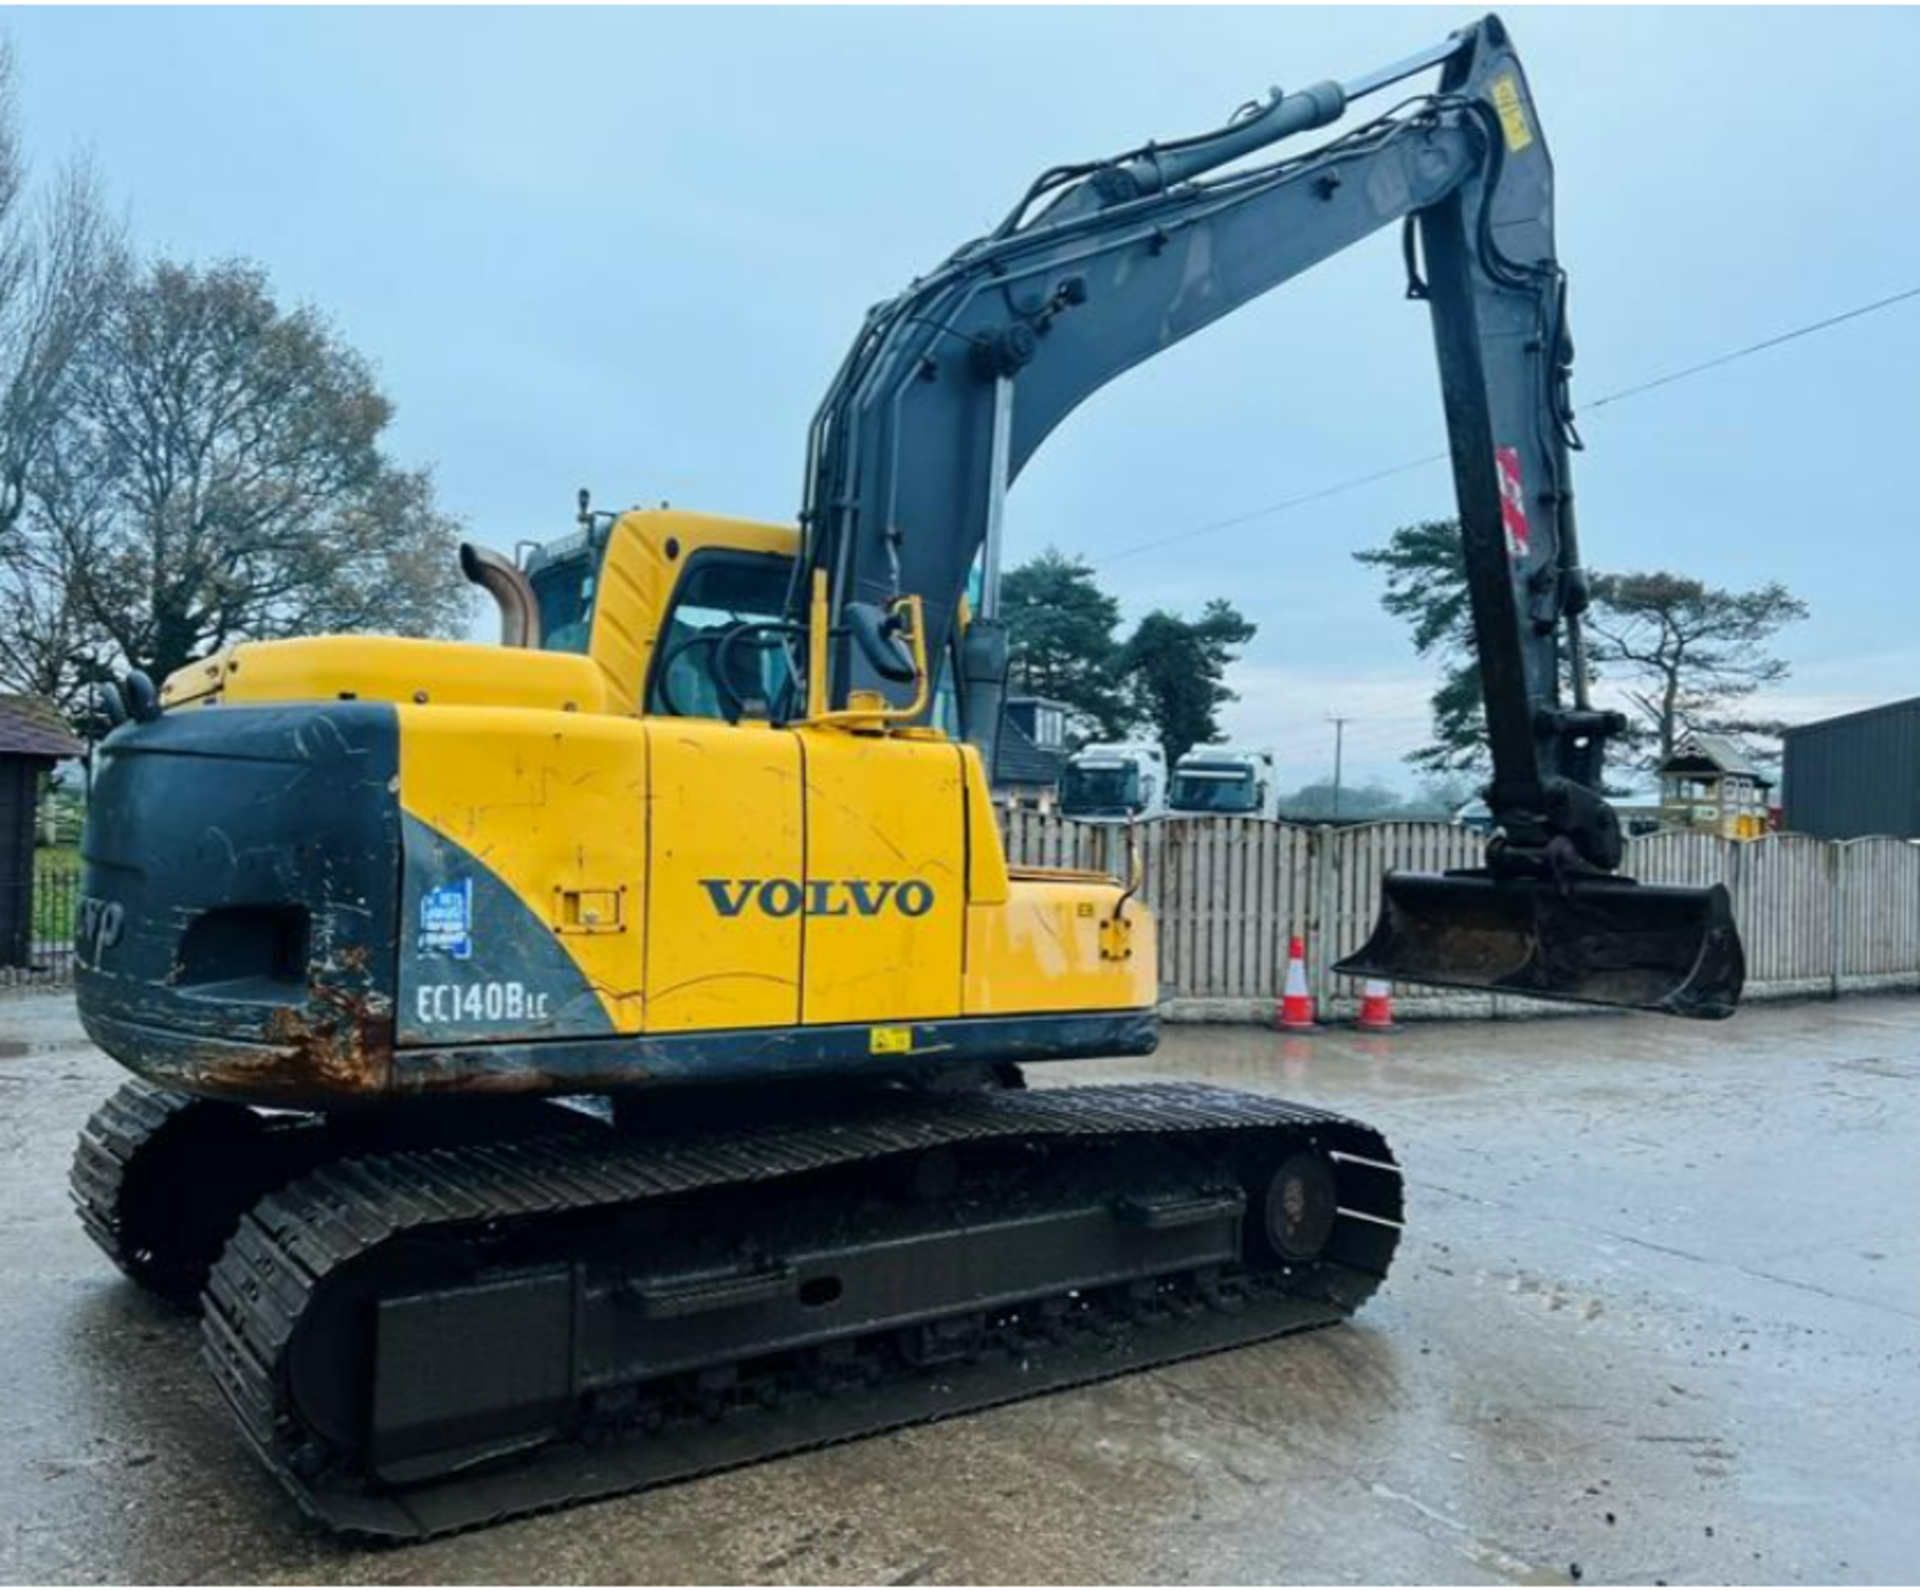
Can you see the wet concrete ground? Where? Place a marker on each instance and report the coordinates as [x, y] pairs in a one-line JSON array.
[[1657, 1319]]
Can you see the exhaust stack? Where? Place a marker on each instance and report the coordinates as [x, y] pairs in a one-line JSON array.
[[504, 580]]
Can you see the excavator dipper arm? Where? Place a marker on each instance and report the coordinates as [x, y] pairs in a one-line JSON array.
[[951, 387]]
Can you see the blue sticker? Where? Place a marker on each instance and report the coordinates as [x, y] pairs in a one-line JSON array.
[[446, 919]]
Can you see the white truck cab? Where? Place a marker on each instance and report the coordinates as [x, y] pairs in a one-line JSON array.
[[1115, 782], [1225, 781]]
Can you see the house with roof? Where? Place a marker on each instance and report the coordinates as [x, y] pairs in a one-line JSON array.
[[1710, 785], [33, 738], [1031, 753]]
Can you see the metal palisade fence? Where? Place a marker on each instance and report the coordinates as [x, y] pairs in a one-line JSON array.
[[1816, 916]]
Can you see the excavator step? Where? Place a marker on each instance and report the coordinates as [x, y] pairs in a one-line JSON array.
[[635, 1310]]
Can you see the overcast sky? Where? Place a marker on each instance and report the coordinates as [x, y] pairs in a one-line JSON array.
[[627, 250]]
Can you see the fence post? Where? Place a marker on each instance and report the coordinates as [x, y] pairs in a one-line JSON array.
[[1734, 867], [1837, 924], [1320, 848]]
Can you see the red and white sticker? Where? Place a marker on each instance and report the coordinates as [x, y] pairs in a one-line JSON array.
[[1513, 501]]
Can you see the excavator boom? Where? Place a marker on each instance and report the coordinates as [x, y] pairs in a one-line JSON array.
[[952, 386]]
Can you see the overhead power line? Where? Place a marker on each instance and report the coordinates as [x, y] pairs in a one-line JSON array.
[[1754, 348], [1353, 483], [1619, 395]]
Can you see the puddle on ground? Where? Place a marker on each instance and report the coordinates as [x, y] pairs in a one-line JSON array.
[[1872, 1065]]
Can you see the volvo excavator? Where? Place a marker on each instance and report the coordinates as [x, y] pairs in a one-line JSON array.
[[572, 1065]]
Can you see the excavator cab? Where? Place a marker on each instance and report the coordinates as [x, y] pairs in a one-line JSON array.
[[1594, 940], [706, 611]]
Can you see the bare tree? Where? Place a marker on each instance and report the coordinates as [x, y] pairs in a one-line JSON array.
[[219, 478], [48, 644], [1687, 654], [59, 256]]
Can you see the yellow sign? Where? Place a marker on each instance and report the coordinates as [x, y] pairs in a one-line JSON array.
[[889, 1041], [1513, 113]]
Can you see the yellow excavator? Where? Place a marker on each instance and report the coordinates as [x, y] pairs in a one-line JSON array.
[[575, 1064]]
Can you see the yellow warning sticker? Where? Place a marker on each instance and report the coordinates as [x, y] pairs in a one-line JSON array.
[[889, 1041], [1513, 113]]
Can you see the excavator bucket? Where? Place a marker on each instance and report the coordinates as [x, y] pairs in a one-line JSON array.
[[1601, 941]]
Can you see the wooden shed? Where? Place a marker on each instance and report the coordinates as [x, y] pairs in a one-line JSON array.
[[33, 737]]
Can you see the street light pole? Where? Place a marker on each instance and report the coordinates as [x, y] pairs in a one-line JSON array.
[[1339, 744]]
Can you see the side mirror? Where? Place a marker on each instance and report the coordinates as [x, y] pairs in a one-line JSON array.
[[877, 634]]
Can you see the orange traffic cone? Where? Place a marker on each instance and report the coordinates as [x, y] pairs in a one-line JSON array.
[[1376, 1006], [1296, 1005]]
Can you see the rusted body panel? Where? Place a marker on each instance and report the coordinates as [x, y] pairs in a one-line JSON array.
[[241, 900], [302, 1074]]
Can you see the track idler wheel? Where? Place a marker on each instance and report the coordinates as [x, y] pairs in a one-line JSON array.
[[1291, 1216]]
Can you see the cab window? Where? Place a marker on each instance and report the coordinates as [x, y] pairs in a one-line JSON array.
[[1213, 790], [1109, 789], [720, 591], [562, 577]]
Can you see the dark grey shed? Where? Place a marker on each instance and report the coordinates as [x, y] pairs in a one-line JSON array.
[[1856, 774], [33, 737]]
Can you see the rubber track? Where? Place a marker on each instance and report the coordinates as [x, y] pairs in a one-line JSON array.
[[131, 1125], [114, 1135], [298, 1236]]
